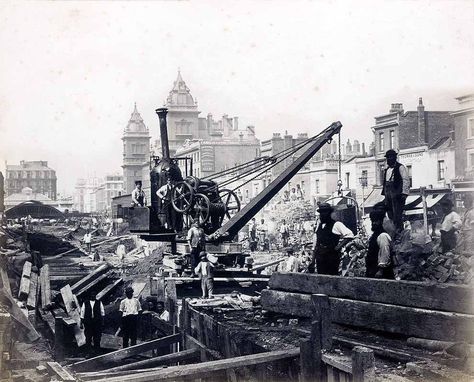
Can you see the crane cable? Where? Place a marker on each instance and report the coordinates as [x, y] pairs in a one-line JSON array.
[[339, 182]]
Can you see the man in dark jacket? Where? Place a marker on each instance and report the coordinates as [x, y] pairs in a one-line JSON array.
[[396, 187], [92, 320], [330, 237]]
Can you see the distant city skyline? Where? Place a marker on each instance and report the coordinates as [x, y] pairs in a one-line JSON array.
[[71, 72]]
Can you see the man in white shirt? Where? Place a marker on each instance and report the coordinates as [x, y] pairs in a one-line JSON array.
[[88, 241], [164, 194], [329, 238], [450, 225], [292, 263], [204, 270], [262, 231], [396, 187], [197, 243], [378, 262], [130, 308], [284, 233], [138, 195], [92, 320]]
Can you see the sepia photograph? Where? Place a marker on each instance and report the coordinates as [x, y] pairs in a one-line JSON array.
[[237, 191]]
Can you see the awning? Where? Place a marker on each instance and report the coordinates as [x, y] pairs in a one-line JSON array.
[[374, 197], [336, 199], [431, 200], [34, 209]]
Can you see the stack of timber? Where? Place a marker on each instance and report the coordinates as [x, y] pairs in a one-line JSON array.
[[426, 310]]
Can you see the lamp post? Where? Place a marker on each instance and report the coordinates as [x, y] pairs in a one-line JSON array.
[[363, 183]]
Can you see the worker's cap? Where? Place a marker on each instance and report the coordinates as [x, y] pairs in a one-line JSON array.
[[447, 202], [290, 250], [129, 290], [391, 153], [203, 254], [377, 215], [325, 207], [138, 182]]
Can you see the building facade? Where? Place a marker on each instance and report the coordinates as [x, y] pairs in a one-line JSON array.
[[31, 174], [464, 143], [412, 134], [136, 152]]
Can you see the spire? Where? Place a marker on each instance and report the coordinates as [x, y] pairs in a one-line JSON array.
[[135, 124], [180, 95]]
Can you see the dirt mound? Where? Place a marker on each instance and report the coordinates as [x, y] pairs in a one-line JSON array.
[[148, 265]]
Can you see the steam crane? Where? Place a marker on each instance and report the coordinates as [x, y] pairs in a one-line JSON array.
[[202, 200]]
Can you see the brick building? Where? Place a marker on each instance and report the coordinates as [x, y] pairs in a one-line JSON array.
[[31, 174], [464, 143], [412, 134]]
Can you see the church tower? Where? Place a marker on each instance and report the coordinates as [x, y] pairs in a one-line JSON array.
[[183, 115], [136, 152]]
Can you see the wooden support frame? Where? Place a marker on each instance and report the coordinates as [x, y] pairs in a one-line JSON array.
[[102, 361]]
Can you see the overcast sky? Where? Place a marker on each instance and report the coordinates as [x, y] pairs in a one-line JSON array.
[[71, 71]]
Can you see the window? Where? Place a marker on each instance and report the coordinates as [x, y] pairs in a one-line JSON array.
[[317, 186], [381, 143], [470, 128], [392, 139], [348, 177], [441, 170], [470, 158], [409, 170]]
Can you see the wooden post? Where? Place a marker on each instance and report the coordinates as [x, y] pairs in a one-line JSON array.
[[425, 209], [363, 367], [317, 344], [322, 313], [307, 370], [58, 338]]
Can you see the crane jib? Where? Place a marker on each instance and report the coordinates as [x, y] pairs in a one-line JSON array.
[[241, 218]]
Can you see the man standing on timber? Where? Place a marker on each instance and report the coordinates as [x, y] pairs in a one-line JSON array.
[[205, 270], [396, 187], [164, 194], [329, 238], [378, 262], [253, 235], [138, 195], [197, 243], [130, 308], [92, 320]]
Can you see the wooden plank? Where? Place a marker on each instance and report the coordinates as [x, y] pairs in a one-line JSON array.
[[205, 369], [19, 317], [375, 316], [108, 289], [57, 370], [138, 287], [45, 287], [5, 280], [221, 279], [434, 296], [269, 264], [158, 323], [25, 282], [90, 277], [31, 301], [102, 361], [167, 359], [92, 284], [74, 311]]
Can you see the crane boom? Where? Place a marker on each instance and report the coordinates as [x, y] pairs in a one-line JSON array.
[[241, 218]]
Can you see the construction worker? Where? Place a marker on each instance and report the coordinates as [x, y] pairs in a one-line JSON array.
[[388, 225], [253, 235], [284, 233], [396, 187], [197, 242], [164, 194], [204, 270], [138, 195], [88, 241], [299, 192], [262, 230], [292, 264], [450, 225], [330, 237], [92, 320], [130, 308], [378, 262]]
